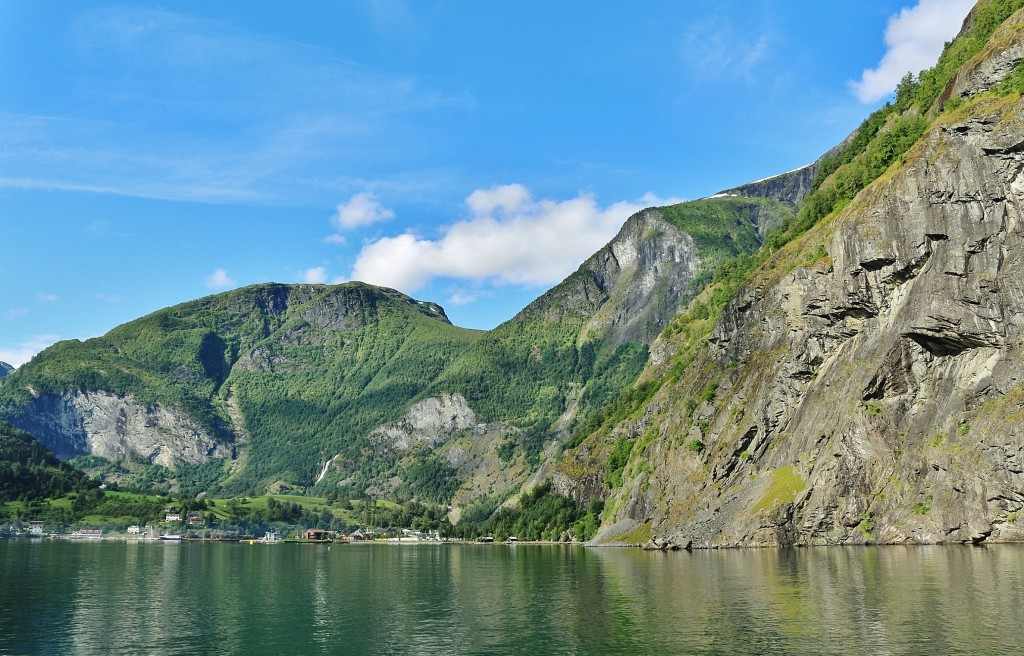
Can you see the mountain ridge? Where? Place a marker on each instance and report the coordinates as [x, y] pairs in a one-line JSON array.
[[861, 384], [826, 356], [282, 386]]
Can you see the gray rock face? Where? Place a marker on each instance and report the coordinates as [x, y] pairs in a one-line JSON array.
[[790, 187], [646, 272], [113, 427], [446, 426], [876, 394], [633, 286], [426, 424], [1004, 52], [5, 369]]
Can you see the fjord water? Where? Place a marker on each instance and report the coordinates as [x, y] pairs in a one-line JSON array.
[[116, 597]]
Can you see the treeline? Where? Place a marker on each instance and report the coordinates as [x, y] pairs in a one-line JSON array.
[[28, 470], [541, 514]]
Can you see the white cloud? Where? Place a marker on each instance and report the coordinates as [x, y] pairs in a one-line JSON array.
[[16, 313], [508, 198], [108, 298], [914, 39], [315, 275], [463, 297], [219, 279], [21, 353], [509, 238], [47, 298], [360, 210]]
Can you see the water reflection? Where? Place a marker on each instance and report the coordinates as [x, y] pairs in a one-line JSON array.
[[118, 597]]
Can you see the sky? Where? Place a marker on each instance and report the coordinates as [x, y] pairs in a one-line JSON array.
[[468, 153]]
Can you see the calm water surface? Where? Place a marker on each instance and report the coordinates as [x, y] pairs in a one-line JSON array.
[[192, 598]]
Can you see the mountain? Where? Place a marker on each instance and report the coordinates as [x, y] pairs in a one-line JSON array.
[[828, 356], [365, 391], [862, 377], [29, 471], [5, 369]]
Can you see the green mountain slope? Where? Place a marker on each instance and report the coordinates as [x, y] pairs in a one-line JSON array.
[[283, 386], [268, 374], [30, 471], [857, 379]]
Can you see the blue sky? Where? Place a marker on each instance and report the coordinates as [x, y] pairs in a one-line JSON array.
[[468, 153]]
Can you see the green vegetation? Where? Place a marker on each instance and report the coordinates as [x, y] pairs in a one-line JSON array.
[[540, 515], [310, 370], [115, 510], [313, 369], [879, 143], [722, 227], [867, 524], [616, 462], [429, 478], [587, 526], [785, 484], [29, 471], [989, 15], [628, 402]]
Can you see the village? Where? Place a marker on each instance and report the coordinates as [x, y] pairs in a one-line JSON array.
[[192, 526]]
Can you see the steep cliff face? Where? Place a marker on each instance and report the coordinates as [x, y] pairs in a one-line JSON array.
[[114, 427], [629, 290], [867, 385], [636, 283]]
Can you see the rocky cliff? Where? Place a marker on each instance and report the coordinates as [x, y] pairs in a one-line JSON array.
[[791, 187], [630, 289], [867, 383], [482, 456], [116, 427], [635, 284]]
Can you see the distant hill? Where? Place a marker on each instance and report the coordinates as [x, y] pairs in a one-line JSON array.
[[275, 387], [5, 369]]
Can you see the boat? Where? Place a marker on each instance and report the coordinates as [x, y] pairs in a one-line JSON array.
[[171, 537]]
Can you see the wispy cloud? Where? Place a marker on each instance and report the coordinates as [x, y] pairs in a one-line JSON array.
[[19, 354], [16, 313], [108, 298], [219, 279], [914, 39], [466, 296], [47, 298], [204, 111], [716, 49], [510, 238]]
